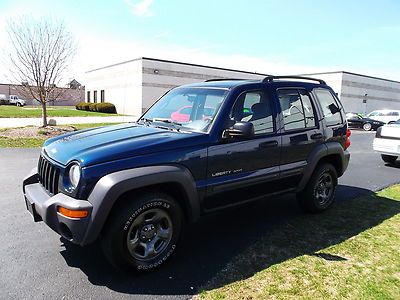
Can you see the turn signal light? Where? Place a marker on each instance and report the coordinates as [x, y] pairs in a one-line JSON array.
[[77, 214]]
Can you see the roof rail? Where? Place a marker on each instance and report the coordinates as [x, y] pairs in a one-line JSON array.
[[222, 79], [271, 78]]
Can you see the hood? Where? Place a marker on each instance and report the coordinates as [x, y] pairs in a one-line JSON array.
[[102, 144]]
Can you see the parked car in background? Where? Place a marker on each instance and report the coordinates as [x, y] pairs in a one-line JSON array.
[[11, 99], [385, 115], [355, 120], [387, 142]]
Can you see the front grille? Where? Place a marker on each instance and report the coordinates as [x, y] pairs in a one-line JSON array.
[[48, 175]]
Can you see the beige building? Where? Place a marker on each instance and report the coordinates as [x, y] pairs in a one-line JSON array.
[[362, 93], [133, 86]]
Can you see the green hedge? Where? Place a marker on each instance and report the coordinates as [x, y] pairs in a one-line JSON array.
[[104, 107]]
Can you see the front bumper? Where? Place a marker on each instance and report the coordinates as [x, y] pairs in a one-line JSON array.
[[44, 207], [387, 146]]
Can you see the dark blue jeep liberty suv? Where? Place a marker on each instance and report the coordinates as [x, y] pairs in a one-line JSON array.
[[200, 148]]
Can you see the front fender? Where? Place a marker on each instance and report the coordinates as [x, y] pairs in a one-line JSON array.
[[110, 187]]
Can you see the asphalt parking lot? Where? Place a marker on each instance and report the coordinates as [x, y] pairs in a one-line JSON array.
[[35, 263]]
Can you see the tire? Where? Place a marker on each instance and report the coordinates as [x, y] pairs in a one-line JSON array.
[[367, 126], [319, 193], [142, 234], [390, 159], [18, 104]]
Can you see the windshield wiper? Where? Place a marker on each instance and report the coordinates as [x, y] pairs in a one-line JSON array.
[[146, 121], [168, 121]]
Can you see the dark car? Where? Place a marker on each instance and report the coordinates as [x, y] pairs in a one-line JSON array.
[[355, 120], [136, 186]]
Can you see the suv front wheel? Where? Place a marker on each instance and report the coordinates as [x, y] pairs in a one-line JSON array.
[[143, 233], [319, 192]]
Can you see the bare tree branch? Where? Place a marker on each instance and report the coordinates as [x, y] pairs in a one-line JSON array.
[[41, 51]]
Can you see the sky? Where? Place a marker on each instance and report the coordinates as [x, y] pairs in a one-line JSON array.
[[265, 36]]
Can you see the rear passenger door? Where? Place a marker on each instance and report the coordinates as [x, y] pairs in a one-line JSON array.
[[300, 132]]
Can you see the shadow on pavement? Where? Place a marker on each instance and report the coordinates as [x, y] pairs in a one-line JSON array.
[[396, 164], [224, 238]]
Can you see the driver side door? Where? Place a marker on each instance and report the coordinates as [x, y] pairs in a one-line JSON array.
[[241, 170]]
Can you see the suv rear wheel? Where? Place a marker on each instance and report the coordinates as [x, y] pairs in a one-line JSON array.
[[319, 192], [390, 159], [144, 233]]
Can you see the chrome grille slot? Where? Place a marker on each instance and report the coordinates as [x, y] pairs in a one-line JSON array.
[[48, 175]]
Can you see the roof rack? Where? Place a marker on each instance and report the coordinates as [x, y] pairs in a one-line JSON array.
[[271, 78], [222, 79]]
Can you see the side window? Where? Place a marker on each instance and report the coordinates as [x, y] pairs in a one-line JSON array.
[[297, 110], [330, 107], [254, 107]]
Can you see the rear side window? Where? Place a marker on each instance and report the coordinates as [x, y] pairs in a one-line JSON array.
[[330, 107], [297, 110]]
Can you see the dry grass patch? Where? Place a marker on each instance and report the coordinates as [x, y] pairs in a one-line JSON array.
[[34, 136]]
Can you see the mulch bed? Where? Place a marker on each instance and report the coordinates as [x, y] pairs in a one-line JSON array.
[[36, 132]]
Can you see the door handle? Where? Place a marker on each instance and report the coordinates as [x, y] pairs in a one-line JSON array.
[[269, 144], [317, 136]]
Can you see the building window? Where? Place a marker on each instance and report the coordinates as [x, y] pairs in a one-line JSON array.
[[102, 96], [88, 96], [95, 96]]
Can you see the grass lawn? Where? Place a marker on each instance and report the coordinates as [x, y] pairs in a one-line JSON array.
[[10, 111], [25, 142], [350, 252]]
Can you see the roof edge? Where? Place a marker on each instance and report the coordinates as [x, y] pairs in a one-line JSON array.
[[351, 73], [177, 62]]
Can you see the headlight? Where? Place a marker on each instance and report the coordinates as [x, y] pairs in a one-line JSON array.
[[74, 175]]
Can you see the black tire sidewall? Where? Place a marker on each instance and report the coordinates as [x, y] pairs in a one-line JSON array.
[[116, 235], [389, 158], [308, 200]]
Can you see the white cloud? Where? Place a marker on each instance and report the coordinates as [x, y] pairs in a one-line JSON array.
[[140, 8]]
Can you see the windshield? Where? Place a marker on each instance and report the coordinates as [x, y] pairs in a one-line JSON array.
[[192, 109]]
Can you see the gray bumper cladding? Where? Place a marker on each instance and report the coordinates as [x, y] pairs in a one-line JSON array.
[[44, 207]]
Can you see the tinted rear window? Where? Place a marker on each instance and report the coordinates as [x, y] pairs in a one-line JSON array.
[[331, 109]]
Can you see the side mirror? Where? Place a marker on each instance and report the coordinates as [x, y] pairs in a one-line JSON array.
[[239, 130]]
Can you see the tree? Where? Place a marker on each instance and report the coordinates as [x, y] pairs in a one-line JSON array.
[[40, 53]]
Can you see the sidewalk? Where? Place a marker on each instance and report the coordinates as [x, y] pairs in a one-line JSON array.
[[22, 122]]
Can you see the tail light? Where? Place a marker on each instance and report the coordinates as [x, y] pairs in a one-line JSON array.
[[347, 140]]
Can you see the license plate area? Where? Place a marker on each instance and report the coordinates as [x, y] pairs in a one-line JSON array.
[[31, 208]]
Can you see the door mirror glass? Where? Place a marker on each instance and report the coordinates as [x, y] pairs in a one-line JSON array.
[[239, 130]]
